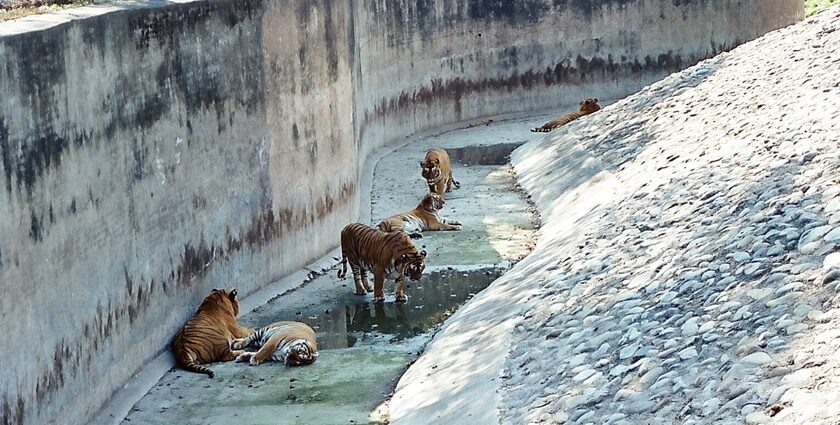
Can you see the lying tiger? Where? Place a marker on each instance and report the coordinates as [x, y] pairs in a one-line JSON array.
[[206, 337], [387, 255], [424, 217], [290, 343], [587, 107], [437, 170]]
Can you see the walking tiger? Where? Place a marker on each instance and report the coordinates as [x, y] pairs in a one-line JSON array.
[[387, 255]]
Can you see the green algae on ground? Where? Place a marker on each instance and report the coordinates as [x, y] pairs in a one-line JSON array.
[[342, 387]]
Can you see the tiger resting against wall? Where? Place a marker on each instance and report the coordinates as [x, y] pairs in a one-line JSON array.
[[437, 170], [387, 255], [206, 337], [290, 343], [424, 217], [587, 107]]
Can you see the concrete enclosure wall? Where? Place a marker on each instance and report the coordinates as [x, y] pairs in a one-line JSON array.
[[151, 153]]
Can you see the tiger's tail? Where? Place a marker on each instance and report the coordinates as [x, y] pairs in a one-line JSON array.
[[539, 130], [187, 361], [343, 271]]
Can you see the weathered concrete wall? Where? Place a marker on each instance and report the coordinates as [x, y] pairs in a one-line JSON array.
[[474, 58], [150, 155], [153, 152]]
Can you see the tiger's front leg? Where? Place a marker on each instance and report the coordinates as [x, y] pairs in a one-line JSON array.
[[399, 291], [240, 343], [378, 285], [226, 354], [445, 225], [243, 337]]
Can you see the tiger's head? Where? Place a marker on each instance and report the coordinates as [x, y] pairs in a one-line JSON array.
[[431, 170], [589, 106], [301, 353], [414, 264], [221, 299], [432, 202]]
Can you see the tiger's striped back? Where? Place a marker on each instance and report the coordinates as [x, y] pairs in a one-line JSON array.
[[367, 247]]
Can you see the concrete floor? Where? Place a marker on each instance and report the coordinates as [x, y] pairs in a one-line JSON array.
[[365, 348]]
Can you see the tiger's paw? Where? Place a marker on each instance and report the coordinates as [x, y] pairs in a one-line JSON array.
[[255, 361], [360, 293], [401, 298], [379, 300], [244, 357], [238, 344]]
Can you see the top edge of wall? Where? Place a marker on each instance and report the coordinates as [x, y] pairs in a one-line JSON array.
[[45, 21]]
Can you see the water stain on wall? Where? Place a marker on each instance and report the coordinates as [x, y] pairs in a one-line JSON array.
[[580, 71], [14, 412], [195, 261], [27, 161]]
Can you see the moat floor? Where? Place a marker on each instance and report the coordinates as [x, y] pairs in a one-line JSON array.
[[366, 347]]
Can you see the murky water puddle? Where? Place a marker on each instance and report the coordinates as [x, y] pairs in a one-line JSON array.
[[353, 319]]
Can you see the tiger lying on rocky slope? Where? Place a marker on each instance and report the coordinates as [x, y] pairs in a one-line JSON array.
[[587, 107]]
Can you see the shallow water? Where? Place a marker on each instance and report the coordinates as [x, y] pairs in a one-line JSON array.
[[351, 318]]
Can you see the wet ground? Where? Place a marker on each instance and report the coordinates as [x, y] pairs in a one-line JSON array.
[[365, 347]]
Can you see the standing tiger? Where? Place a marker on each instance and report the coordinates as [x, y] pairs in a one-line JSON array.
[[290, 343], [424, 217], [206, 337], [587, 107], [437, 170], [390, 255]]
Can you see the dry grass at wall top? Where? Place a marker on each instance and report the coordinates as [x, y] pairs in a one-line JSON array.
[[815, 6]]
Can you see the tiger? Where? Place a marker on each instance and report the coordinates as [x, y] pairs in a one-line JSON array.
[[587, 107], [206, 336], [290, 343], [390, 255], [424, 217], [437, 170]]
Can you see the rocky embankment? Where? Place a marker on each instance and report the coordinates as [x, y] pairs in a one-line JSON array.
[[689, 265]]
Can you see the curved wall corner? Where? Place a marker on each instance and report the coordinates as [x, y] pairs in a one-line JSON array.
[[470, 59], [152, 152]]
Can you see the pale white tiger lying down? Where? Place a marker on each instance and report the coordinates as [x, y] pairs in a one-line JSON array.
[[290, 343]]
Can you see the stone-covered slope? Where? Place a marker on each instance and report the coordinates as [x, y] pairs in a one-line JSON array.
[[689, 264]]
